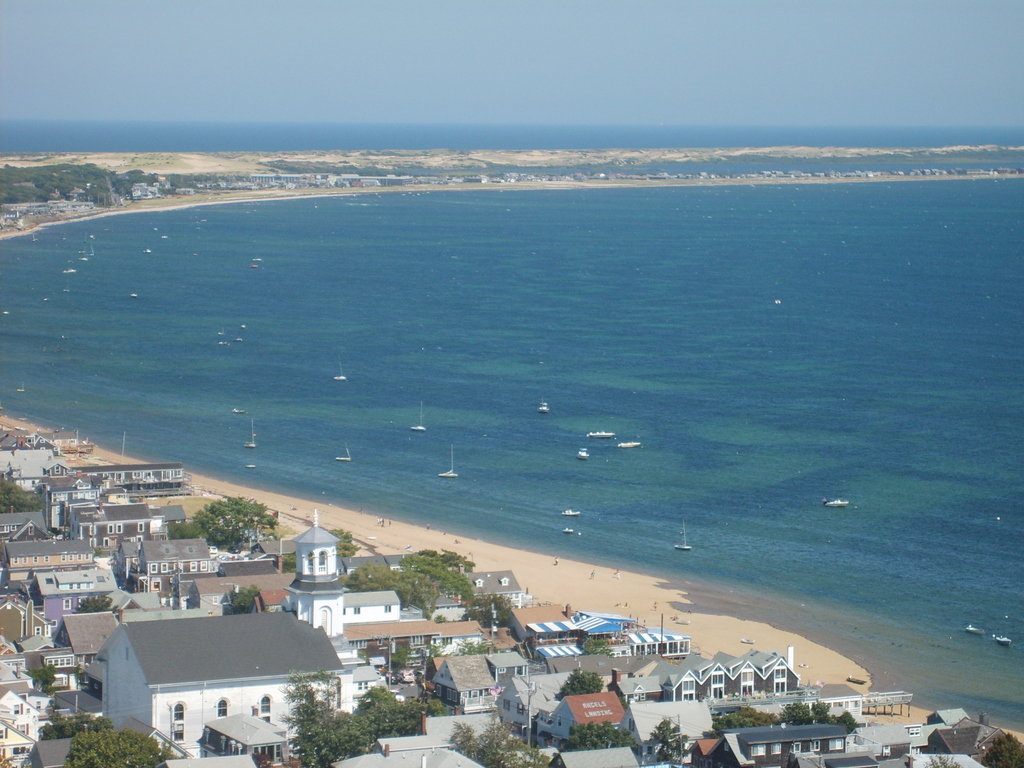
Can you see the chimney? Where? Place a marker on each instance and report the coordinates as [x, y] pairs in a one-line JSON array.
[[387, 750], [615, 677], [983, 718], [423, 723], [568, 611], [789, 655]]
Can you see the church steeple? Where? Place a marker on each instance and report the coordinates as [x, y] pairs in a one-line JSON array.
[[316, 594]]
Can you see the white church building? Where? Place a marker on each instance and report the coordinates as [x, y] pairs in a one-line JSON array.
[[176, 675]]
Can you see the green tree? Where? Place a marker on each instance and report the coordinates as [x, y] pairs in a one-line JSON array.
[[115, 749], [66, 726], [241, 600], [797, 713], [821, 712], [44, 677], [319, 731], [744, 717], [670, 742], [1004, 752], [598, 736], [189, 529], [451, 560], [234, 522], [597, 646], [443, 570], [14, 499], [849, 722], [581, 681], [495, 746], [488, 608], [95, 604], [390, 717], [374, 577], [472, 649], [345, 546], [942, 761]]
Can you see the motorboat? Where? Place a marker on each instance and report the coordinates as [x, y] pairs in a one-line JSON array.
[[601, 435], [571, 513], [583, 454], [630, 444], [543, 408], [238, 410], [568, 530], [1002, 639], [970, 628], [835, 502]]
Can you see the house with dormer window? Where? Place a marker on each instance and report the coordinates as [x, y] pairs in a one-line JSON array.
[[105, 526], [160, 561], [60, 592], [503, 583], [554, 729], [698, 678], [772, 746]]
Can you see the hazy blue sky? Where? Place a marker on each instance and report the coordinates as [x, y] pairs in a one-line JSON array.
[[681, 62]]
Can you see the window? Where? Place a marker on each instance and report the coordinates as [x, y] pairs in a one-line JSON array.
[[265, 705], [815, 745], [178, 722], [222, 708], [387, 608], [356, 610], [142, 527], [886, 750], [757, 750], [797, 746], [776, 748], [836, 744], [164, 567], [153, 567], [67, 603]]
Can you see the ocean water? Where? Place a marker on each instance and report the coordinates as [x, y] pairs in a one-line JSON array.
[[105, 136], [768, 345]]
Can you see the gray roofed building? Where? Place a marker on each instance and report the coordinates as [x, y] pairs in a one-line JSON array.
[[410, 759], [613, 757], [502, 583], [465, 683], [441, 727], [245, 735], [233, 761], [24, 557], [52, 753], [236, 569], [259, 644], [159, 561], [947, 716], [22, 526], [693, 718], [349, 564], [85, 633]]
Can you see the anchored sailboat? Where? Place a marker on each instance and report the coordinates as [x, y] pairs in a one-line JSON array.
[[418, 427], [681, 544], [451, 469], [252, 438], [346, 457]]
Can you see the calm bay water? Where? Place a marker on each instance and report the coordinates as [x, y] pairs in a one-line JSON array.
[[768, 345]]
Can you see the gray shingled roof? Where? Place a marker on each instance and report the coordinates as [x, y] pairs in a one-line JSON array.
[[227, 647], [614, 757], [47, 548], [87, 631], [175, 549], [316, 535], [469, 672]]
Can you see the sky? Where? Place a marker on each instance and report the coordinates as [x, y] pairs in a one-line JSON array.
[[544, 62]]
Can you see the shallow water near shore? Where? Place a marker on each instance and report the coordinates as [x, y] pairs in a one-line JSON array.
[[767, 345]]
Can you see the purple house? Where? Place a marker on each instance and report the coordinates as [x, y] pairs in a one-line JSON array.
[[60, 592]]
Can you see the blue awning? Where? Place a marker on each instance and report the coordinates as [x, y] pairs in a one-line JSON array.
[[552, 651], [551, 627], [648, 638], [595, 625]]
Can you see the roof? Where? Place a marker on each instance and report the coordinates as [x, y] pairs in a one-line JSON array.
[[119, 512], [88, 631], [468, 672], [705, 746], [451, 629], [441, 727], [538, 613], [947, 716], [212, 584], [364, 599], [768, 734], [506, 659], [599, 663], [244, 645], [442, 758], [838, 691], [614, 757], [232, 761], [492, 582], [243, 568], [84, 580], [595, 708], [247, 730], [51, 753], [316, 535], [850, 761], [48, 548], [175, 549]]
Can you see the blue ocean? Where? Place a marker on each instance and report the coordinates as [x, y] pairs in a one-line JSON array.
[[769, 346]]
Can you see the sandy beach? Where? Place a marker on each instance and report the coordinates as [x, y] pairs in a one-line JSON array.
[[558, 581]]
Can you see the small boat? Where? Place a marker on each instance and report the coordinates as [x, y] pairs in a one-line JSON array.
[[254, 266], [568, 530], [746, 640], [146, 250], [341, 374], [835, 502], [250, 466], [133, 295], [570, 513], [238, 410], [238, 339], [346, 457], [681, 544], [20, 389], [418, 427], [69, 271], [601, 435], [583, 454], [252, 439], [1002, 639], [632, 444], [543, 407], [451, 469], [970, 628], [856, 680]]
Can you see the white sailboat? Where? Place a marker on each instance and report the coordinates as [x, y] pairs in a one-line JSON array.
[[346, 457], [252, 438], [681, 544], [341, 374], [418, 427], [451, 469]]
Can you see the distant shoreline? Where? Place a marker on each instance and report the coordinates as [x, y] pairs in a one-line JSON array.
[[242, 196]]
